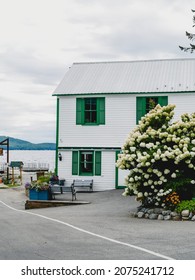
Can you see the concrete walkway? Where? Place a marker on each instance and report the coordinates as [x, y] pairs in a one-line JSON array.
[[102, 229]]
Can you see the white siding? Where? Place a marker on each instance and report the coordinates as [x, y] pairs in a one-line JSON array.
[[185, 103], [120, 119], [101, 183]]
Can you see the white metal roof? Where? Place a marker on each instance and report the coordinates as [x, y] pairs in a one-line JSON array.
[[171, 75]]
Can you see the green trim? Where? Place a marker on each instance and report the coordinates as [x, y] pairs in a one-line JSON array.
[[98, 163], [89, 148], [81, 173], [141, 105], [81, 111], [108, 93], [101, 110], [75, 158], [140, 108], [116, 172], [57, 135]]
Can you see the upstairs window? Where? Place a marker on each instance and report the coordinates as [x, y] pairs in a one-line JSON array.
[[90, 111], [90, 105], [145, 104]]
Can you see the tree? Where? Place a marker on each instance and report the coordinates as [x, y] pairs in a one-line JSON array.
[[160, 157], [191, 36]]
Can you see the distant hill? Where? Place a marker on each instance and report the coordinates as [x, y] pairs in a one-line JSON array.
[[18, 144]]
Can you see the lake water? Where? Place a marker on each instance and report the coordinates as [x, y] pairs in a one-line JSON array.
[[46, 157], [30, 157]]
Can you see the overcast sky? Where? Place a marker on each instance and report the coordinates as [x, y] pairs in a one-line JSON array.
[[40, 39]]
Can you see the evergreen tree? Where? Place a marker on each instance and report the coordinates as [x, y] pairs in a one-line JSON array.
[[191, 36]]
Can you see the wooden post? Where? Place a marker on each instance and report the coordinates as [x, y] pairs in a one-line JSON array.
[[21, 174], [12, 175]]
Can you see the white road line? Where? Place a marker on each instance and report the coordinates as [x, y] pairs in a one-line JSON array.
[[91, 233]]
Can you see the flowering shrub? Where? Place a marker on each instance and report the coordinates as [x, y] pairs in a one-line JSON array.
[[37, 185], [161, 158]]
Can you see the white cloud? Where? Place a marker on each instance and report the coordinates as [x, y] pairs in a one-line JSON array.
[[40, 39]]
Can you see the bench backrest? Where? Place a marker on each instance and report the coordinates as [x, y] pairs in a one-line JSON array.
[[82, 183]]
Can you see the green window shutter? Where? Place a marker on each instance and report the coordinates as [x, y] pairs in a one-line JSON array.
[[75, 162], [163, 100], [98, 157], [140, 108], [101, 110], [79, 111]]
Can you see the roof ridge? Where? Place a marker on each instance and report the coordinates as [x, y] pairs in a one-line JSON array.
[[133, 61]]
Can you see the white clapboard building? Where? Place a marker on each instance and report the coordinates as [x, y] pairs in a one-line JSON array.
[[98, 104]]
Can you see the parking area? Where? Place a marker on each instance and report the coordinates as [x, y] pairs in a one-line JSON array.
[[102, 229]]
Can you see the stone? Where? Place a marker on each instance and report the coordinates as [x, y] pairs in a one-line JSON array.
[[176, 218], [166, 212], [193, 218], [160, 217], [158, 210], [146, 216], [190, 215], [150, 211], [185, 218], [143, 210], [153, 216], [174, 214], [140, 214], [185, 213], [167, 217]]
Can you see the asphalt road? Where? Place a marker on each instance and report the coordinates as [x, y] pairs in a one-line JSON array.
[[100, 230]]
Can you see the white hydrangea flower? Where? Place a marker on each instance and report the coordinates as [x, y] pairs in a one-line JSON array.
[[140, 195]]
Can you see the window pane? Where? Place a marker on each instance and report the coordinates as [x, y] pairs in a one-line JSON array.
[[86, 163], [87, 104], [90, 110], [151, 103], [93, 117], [93, 104], [87, 116]]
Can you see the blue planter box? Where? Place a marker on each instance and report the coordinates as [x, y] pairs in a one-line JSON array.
[[41, 195]]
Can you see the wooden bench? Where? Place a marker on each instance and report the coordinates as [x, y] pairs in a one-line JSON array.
[[58, 187], [81, 184]]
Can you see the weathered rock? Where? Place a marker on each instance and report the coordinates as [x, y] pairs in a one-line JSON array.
[[167, 217], [185, 213], [190, 215], [153, 216], [173, 214], [140, 214], [158, 210], [176, 218], [150, 211], [160, 217], [166, 212], [146, 215], [193, 218], [185, 218]]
